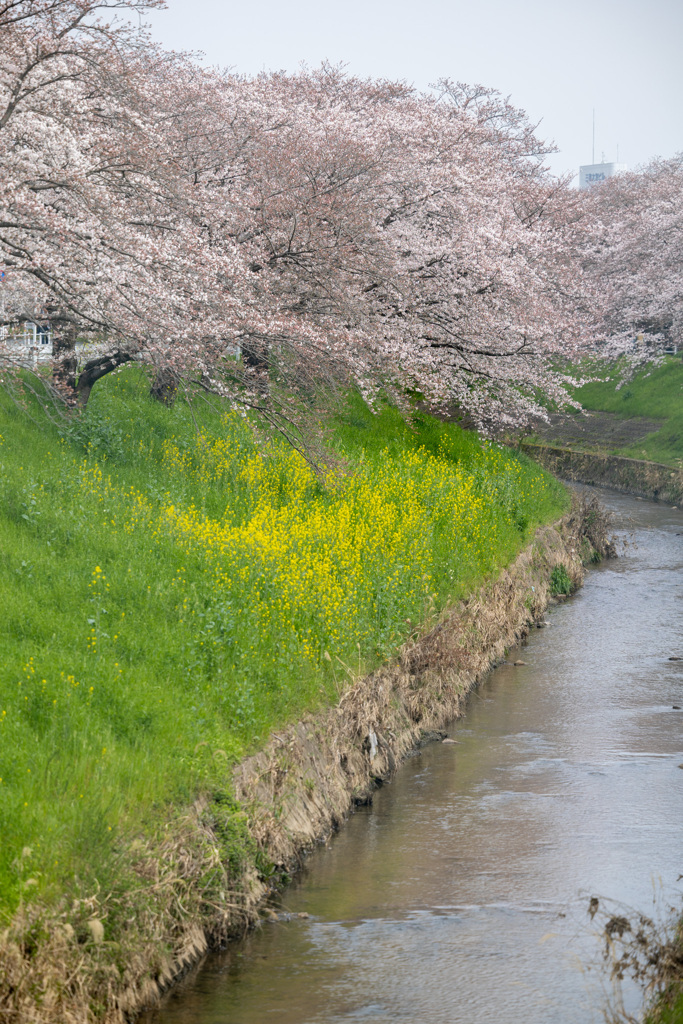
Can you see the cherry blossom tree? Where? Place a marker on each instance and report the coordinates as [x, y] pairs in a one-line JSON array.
[[98, 232], [633, 256], [325, 228], [418, 235]]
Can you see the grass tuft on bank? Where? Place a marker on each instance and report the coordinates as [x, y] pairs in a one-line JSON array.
[[175, 586]]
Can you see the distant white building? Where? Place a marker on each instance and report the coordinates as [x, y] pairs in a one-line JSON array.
[[25, 341], [593, 174], [30, 341]]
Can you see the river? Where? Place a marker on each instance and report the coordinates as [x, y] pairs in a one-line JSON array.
[[461, 894]]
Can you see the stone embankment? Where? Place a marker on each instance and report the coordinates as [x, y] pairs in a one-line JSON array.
[[632, 476], [294, 793]]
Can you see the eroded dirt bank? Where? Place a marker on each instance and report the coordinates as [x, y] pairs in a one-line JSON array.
[[631, 476], [466, 886], [293, 794]]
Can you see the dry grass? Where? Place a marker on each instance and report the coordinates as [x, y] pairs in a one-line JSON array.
[[648, 951]]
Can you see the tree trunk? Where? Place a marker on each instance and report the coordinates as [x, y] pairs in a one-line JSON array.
[[75, 387], [65, 360], [256, 354], [95, 369], [165, 385]]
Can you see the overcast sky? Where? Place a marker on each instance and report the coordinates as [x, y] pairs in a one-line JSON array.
[[556, 60]]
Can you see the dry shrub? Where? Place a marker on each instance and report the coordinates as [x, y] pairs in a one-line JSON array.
[[648, 951]]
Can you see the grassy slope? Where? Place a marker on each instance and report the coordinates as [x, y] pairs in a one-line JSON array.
[[170, 595], [656, 393]]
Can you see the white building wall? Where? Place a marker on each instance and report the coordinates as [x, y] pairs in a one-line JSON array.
[[593, 174], [30, 342]]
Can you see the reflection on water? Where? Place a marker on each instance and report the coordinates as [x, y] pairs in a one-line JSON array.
[[461, 894]]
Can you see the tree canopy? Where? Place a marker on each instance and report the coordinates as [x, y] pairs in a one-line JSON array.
[[332, 227]]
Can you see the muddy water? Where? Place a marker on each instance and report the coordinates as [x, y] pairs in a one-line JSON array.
[[461, 894]]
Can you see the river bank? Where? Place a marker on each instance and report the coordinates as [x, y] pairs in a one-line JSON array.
[[176, 587], [628, 435], [462, 893], [283, 800], [630, 476]]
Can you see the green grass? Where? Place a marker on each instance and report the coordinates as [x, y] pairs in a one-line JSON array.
[[560, 581], [672, 1014], [654, 392], [172, 591]]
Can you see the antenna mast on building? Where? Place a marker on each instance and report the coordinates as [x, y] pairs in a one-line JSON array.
[[591, 174]]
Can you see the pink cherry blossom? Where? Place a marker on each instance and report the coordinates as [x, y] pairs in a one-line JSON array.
[[325, 228]]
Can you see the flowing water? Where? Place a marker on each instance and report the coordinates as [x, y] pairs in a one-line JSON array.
[[461, 894]]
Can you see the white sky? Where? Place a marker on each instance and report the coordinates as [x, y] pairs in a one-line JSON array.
[[556, 60]]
